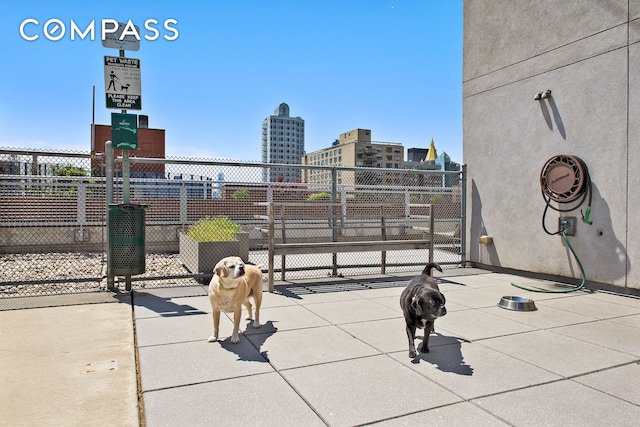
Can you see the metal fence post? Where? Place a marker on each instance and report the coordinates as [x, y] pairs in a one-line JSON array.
[[463, 217], [108, 171], [183, 206], [407, 202], [81, 206], [269, 193], [82, 203], [271, 242], [334, 222], [334, 185]]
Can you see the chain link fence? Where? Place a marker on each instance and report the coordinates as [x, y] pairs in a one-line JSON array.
[[54, 215]]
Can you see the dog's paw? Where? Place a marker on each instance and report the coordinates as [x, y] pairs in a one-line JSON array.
[[212, 338], [256, 324], [235, 339], [424, 349], [412, 353]]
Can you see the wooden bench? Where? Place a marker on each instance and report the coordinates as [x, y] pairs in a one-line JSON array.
[[332, 228]]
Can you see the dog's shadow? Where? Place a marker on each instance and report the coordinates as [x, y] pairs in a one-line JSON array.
[[249, 349], [446, 354]]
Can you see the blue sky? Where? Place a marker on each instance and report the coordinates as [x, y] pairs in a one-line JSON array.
[[392, 66]]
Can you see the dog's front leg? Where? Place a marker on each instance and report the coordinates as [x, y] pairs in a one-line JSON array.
[[428, 328], [216, 325], [411, 334], [237, 314], [257, 298]]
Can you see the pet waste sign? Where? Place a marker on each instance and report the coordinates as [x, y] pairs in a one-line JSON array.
[[122, 83], [124, 131]]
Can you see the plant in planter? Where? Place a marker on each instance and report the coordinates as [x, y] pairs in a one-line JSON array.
[[320, 197], [209, 240]]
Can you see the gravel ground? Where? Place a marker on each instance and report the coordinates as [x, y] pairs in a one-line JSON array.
[[18, 272], [73, 265]]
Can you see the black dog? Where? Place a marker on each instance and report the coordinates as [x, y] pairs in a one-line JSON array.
[[422, 303]]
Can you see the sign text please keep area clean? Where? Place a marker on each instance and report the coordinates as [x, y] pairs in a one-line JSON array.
[[122, 83]]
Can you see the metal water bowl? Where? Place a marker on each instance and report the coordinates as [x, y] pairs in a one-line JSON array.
[[517, 303]]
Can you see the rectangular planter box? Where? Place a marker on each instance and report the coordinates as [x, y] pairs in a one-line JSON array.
[[202, 257]]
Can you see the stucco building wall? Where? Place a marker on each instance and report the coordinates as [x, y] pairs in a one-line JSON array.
[[588, 55]]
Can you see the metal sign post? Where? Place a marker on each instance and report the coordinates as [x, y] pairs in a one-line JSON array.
[[108, 151], [123, 91], [125, 176]]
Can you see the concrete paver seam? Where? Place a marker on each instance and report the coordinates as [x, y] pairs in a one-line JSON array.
[[295, 390]]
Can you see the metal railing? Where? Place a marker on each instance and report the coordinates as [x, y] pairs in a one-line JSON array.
[[53, 214]]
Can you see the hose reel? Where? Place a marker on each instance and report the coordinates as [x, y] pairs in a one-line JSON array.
[[565, 179], [562, 178]]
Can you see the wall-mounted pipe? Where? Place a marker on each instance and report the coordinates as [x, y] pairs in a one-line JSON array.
[[542, 95]]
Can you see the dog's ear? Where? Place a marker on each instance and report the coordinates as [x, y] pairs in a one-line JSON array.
[[416, 305], [221, 269]]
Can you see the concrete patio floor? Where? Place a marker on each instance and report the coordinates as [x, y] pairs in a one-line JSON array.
[[330, 352]]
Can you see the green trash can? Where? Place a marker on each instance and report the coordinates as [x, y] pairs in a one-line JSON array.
[[126, 239]]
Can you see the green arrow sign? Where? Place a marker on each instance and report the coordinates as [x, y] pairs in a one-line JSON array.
[[124, 130]]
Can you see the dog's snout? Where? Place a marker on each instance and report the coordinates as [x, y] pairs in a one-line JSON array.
[[238, 270]]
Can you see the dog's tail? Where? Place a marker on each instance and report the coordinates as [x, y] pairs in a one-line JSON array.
[[427, 269]]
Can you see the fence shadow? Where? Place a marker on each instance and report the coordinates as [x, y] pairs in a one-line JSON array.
[[164, 306], [298, 291]]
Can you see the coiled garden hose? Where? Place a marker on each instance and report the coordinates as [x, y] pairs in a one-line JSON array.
[[574, 168], [564, 291]]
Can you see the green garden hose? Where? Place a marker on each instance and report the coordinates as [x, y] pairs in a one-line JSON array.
[[553, 291], [581, 188]]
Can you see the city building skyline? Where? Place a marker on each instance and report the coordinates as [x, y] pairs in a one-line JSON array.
[[354, 148], [434, 162]]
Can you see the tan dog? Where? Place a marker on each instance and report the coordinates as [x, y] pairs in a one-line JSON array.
[[232, 284]]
